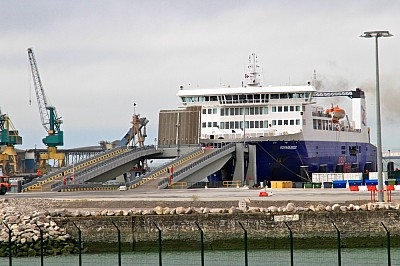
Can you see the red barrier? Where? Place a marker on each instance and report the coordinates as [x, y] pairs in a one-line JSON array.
[[354, 188]]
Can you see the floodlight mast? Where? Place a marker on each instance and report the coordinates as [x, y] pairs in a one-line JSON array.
[[376, 35]]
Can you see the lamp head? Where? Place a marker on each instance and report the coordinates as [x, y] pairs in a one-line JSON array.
[[376, 34]]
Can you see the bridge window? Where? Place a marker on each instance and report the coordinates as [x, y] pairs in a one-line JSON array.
[[228, 98], [235, 98], [213, 98], [274, 96]]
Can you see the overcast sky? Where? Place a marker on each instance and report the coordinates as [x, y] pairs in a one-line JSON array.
[[96, 58]]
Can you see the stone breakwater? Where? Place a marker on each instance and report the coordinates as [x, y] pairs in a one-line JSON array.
[[55, 218], [159, 210]]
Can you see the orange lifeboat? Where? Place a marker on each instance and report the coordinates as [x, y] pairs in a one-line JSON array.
[[336, 113]]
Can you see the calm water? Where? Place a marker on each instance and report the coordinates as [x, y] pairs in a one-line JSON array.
[[221, 258]]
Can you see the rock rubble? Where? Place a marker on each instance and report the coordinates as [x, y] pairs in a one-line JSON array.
[[27, 223]]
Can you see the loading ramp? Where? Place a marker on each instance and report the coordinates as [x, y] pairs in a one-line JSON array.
[[197, 170]]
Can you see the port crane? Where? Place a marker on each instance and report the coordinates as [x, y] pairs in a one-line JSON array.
[[50, 121], [9, 137]]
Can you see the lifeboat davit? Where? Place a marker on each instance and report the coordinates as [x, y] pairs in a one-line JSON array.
[[336, 113]]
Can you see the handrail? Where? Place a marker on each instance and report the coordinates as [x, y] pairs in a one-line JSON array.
[[66, 169], [97, 169], [200, 161]]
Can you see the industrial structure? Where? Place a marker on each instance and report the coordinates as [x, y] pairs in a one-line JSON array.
[[50, 121], [9, 137]]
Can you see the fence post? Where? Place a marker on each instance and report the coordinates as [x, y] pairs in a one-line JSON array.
[[9, 244], [119, 243], [387, 243], [159, 245], [338, 244], [79, 243], [246, 258], [201, 243], [291, 244], [41, 245]]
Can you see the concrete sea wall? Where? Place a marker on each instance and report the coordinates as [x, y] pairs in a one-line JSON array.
[[137, 229]]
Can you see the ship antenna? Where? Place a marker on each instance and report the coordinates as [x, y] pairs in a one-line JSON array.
[[314, 78], [253, 76]]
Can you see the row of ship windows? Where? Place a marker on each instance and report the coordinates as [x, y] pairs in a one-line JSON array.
[[251, 110], [251, 124], [245, 98], [236, 124]]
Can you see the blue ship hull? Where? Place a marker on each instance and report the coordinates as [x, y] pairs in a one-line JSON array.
[[297, 160]]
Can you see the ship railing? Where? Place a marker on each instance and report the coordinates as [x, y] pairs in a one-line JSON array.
[[320, 114]]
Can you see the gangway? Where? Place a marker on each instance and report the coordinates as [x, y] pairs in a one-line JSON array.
[[150, 180], [44, 183], [143, 182], [110, 168], [198, 170]]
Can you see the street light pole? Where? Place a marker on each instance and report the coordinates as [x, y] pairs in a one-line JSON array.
[[376, 35], [244, 127]]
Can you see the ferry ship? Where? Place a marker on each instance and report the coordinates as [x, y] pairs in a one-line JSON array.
[[289, 135]]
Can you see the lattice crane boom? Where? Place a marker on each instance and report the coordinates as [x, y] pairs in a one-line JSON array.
[[40, 95], [48, 114]]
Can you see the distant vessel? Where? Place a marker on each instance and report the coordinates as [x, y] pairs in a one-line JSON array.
[[288, 135]]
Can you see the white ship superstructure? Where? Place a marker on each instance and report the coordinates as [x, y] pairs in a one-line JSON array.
[[287, 126]]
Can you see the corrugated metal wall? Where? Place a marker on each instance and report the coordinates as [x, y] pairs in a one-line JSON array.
[[179, 126]]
